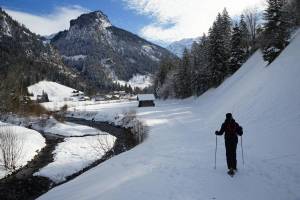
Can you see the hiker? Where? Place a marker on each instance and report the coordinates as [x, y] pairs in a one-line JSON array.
[[232, 129]]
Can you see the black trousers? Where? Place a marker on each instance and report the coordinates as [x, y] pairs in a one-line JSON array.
[[231, 145]]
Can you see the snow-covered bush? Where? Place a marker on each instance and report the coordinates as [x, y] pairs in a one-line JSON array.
[[103, 144], [11, 147], [138, 129], [60, 115]]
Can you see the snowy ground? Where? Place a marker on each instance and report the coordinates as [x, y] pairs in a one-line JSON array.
[[30, 141], [177, 159]]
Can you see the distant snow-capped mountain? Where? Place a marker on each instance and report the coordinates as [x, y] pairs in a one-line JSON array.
[[178, 46]]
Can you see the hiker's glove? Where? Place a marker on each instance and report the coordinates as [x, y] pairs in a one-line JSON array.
[[217, 132]]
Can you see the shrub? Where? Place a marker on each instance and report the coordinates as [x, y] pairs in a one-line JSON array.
[[103, 144], [60, 115], [138, 129], [11, 147]]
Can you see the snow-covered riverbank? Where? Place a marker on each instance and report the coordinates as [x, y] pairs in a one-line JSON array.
[[30, 143]]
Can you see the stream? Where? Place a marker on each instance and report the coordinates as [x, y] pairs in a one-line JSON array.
[[22, 185]]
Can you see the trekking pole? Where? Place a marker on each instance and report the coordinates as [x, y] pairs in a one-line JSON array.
[[242, 151], [216, 153]]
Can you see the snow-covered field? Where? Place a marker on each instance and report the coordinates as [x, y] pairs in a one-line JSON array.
[[30, 142], [177, 159]]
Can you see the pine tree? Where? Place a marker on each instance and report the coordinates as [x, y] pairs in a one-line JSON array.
[[276, 30], [238, 54], [219, 47], [292, 13], [195, 54], [245, 35], [165, 67], [297, 11], [226, 32], [215, 50], [183, 77], [200, 70]]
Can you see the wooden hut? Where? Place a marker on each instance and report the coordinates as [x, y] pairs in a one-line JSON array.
[[146, 100]]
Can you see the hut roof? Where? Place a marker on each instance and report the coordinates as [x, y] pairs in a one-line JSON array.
[[146, 97]]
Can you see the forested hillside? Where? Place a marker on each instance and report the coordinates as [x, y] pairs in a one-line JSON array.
[[227, 46], [25, 60]]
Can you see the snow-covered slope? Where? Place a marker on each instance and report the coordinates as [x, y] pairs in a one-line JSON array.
[[138, 80], [55, 91], [176, 161]]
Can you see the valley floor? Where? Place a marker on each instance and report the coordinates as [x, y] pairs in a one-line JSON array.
[[177, 160]]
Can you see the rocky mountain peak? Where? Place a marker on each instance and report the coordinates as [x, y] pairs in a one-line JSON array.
[[97, 18], [5, 28], [103, 52]]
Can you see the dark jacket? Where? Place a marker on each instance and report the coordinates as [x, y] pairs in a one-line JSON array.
[[232, 129]]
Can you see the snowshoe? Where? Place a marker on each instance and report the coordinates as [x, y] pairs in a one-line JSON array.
[[231, 172]]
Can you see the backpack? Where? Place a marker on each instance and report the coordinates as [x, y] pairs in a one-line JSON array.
[[231, 128], [240, 131]]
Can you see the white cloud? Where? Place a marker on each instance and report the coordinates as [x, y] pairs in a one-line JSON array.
[[48, 24], [178, 19]]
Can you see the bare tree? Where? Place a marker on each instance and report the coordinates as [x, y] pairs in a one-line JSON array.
[[128, 117], [252, 18], [103, 144], [60, 115], [11, 147], [138, 129]]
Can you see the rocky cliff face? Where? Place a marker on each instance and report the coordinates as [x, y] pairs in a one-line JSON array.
[[103, 52]]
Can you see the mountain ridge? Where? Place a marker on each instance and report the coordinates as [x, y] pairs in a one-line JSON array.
[[108, 52], [178, 47]]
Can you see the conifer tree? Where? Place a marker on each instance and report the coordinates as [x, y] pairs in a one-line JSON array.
[[219, 47], [238, 53], [276, 30], [165, 67], [183, 77], [200, 70], [245, 35], [226, 33]]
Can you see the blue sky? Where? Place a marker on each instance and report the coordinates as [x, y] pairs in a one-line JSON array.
[[160, 21], [116, 10]]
